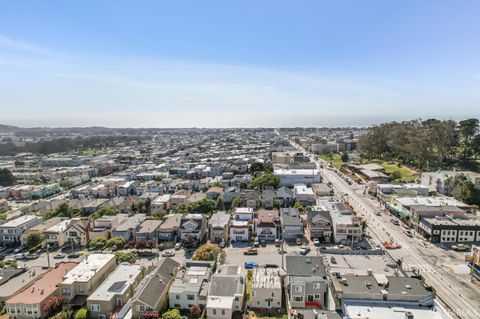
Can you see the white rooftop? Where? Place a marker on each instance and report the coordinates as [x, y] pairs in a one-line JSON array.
[[87, 269], [60, 227], [220, 302], [19, 221]]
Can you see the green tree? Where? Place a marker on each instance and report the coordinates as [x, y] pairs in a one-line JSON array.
[[465, 191], [6, 177], [204, 206], [116, 242], [81, 313], [220, 203], [106, 211], [237, 201], [256, 167], [127, 257], [99, 242], [344, 157], [33, 240], [181, 209], [207, 252], [468, 129], [300, 207], [266, 179], [172, 314]]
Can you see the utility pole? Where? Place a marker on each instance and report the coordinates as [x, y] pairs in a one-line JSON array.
[[48, 252]]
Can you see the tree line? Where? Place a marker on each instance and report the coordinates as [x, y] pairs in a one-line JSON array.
[[426, 144]]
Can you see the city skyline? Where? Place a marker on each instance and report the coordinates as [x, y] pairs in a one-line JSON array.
[[269, 64]]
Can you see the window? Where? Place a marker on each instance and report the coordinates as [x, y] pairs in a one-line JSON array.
[[317, 285], [101, 317], [177, 297], [177, 305], [66, 291], [317, 296], [141, 308], [214, 311], [95, 307], [273, 294], [81, 290], [223, 311], [298, 288], [298, 298], [190, 297]]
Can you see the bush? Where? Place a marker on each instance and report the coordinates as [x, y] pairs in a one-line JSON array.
[[81, 314], [126, 257], [172, 314], [53, 305], [207, 252]]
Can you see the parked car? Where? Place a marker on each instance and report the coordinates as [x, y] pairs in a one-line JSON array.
[[316, 242], [222, 244], [298, 241], [250, 265], [73, 255], [250, 251], [256, 243], [461, 247], [378, 213], [408, 232], [263, 243], [178, 246], [304, 250], [59, 256], [20, 256], [168, 253], [31, 256], [277, 243], [395, 221]]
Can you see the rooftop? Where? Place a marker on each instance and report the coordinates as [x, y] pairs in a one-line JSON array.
[[19, 221], [268, 278], [87, 269], [117, 283]]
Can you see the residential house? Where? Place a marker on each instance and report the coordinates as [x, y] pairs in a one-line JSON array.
[[292, 225], [152, 293], [114, 292], [191, 284], [266, 289], [129, 228], [218, 227], [322, 190], [214, 192], [304, 195], [180, 197], [226, 292], [147, 230], [243, 214], [127, 188], [29, 303], [169, 230], [347, 228], [230, 193], [160, 204], [319, 225], [252, 198], [285, 196], [77, 232], [306, 282], [85, 277], [193, 229], [268, 198], [40, 228], [239, 230], [11, 231], [267, 225], [102, 227], [55, 236], [15, 280]]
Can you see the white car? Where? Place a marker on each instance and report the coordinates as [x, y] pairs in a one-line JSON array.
[[304, 250], [316, 242], [378, 213], [168, 253], [20, 256]]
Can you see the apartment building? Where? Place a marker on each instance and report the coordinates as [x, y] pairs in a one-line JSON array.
[[191, 285], [11, 232], [82, 280], [29, 303], [114, 292], [292, 225]]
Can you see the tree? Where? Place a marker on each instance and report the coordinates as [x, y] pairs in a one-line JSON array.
[[299, 206], [181, 209], [266, 179], [195, 311], [237, 201], [465, 191], [53, 305], [65, 314], [344, 157], [467, 128], [116, 242], [172, 314], [6, 177], [220, 203], [81, 313], [99, 242], [106, 211], [33, 240], [207, 252], [256, 167], [204, 206], [127, 257], [222, 257]]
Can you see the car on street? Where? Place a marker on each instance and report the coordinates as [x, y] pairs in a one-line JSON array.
[[256, 243], [178, 246], [31, 256], [461, 247], [263, 243], [250, 251], [20, 256], [250, 265], [168, 253], [73, 255], [59, 256], [408, 232], [316, 242], [378, 213], [395, 221], [277, 242], [304, 250], [298, 241]]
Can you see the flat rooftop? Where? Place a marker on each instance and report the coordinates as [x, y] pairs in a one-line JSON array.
[[19, 282], [117, 283], [85, 271], [359, 264], [19, 221], [268, 278], [372, 311]]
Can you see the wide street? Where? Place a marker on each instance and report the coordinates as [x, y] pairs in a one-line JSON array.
[[460, 295]]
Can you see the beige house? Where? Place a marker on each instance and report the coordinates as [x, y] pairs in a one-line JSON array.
[[40, 228], [82, 280], [56, 235], [152, 292], [114, 292], [29, 302]]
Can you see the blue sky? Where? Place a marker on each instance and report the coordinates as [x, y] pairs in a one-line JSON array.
[[237, 63]]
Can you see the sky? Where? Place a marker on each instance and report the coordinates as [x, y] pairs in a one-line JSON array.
[[246, 63]]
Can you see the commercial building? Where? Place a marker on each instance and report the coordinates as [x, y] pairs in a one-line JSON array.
[[290, 177], [450, 230]]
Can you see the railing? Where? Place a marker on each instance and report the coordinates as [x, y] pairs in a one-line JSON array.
[[313, 304]]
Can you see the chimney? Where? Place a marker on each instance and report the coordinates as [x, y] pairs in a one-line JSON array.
[[409, 315]]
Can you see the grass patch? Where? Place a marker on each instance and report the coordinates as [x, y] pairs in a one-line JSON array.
[[249, 284], [334, 159], [253, 315], [402, 173]]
